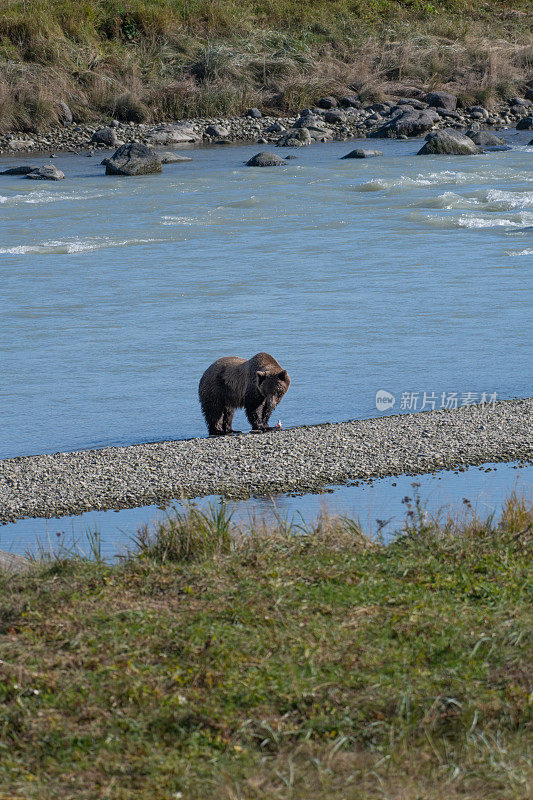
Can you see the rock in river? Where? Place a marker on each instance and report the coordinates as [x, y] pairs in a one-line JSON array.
[[525, 124], [485, 138], [23, 170], [133, 159], [46, 173], [448, 142], [358, 153], [265, 159]]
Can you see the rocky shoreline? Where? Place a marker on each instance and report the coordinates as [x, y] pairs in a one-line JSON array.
[[304, 459], [333, 119]]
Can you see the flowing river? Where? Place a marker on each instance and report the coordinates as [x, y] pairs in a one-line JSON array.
[[400, 273]]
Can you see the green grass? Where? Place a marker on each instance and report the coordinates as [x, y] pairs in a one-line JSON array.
[[190, 57], [293, 662]]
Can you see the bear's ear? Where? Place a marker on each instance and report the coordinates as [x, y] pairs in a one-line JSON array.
[[283, 375], [260, 376]]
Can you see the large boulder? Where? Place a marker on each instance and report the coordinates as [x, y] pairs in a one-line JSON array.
[[309, 121], [107, 136], [359, 153], [485, 138], [448, 142], [442, 100], [525, 124], [295, 138], [265, 159], [217, 131], [172, 133], [133, 159], [253, 113], [327, 103], [350, 101], [334, 115], [46, 173], [407, 123]]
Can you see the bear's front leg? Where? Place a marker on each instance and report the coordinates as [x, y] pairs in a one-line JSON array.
[[268, 407], [253, 406]]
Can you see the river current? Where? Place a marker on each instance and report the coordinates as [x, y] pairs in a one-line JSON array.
[[403, 273]]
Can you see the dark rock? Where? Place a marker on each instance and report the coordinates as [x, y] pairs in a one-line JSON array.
[[529, 94], [275, 128], [133, 159], [290, 156], [254, 113], [448, 142], [266, 160], [105, 136], [18, 170], [410, 123], [476, 110], [381, 108], [530, 144], [335, 115], [442, 100], [525, 124], [418, 104], [46, 173], [358, 153], [485, 138], [327, 103], [349, 102], [520, 101]]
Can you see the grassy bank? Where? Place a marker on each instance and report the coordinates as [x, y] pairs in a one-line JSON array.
[[164, 59], [287, 663]]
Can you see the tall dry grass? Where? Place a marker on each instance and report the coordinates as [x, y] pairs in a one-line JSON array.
[[170, 58]]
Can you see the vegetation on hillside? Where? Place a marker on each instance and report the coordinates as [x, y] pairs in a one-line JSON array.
[[285, 662], [160, 59]]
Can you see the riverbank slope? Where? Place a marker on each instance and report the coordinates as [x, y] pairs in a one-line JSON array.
[[161, 60]]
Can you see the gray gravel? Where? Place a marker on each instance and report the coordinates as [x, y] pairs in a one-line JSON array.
[[353, 123], [304, 459]]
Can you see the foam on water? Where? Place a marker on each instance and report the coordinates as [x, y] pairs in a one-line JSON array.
[[39, 197], [72, 247]]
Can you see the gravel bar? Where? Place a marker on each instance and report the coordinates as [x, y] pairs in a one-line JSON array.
[[303, 459]]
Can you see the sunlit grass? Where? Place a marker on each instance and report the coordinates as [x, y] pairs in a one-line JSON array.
[[275, 660]]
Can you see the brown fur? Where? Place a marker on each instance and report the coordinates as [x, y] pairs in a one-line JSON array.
[[232, 382]]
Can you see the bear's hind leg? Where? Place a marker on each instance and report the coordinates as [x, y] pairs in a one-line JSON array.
[[227, 420]]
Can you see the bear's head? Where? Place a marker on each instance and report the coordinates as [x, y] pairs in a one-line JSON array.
[[273, 385]]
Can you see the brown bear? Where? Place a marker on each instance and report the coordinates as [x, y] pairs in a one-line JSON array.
[[232, 382]]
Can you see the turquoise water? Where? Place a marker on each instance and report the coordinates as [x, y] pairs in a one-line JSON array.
[[404, 273]]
